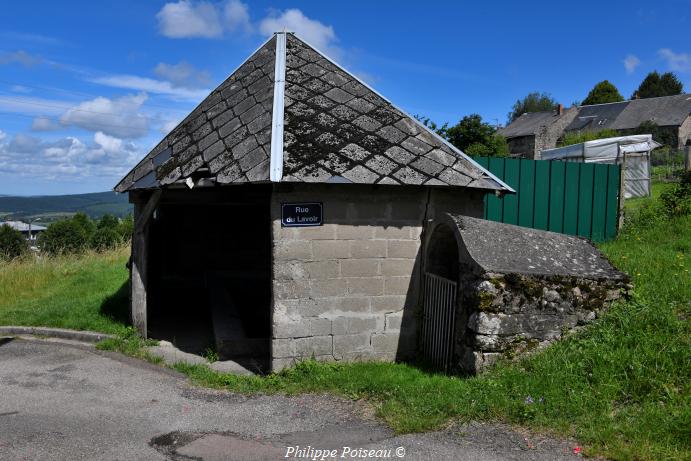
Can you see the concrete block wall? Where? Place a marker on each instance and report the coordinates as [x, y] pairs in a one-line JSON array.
[[348, 290]]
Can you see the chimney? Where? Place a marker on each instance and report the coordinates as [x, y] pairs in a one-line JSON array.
[[560, 109]]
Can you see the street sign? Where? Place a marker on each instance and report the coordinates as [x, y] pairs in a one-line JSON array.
[[305, 214]]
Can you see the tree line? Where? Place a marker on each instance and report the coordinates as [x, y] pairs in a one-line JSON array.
[[474, 136], [73, 235]]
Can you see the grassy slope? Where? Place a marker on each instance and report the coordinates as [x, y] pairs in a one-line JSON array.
[[621, 386], [82, 292]]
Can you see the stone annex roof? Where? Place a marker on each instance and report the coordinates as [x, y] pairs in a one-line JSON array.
[[530, 123], [335, 129], [531, 251]]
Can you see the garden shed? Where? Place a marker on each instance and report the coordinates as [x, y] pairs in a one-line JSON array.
[[631, 152], [287, 216]]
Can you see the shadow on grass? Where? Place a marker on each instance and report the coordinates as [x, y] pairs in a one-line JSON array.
[[117, 305]]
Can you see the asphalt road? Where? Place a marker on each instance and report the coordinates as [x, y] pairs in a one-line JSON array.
[[66, 402]]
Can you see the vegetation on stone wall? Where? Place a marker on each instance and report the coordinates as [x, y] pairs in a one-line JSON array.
[[571, 138]]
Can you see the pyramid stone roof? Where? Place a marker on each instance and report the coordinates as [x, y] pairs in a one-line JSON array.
[[290, 114]]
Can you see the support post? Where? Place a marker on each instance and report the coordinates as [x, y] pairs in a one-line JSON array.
[[140, 238]]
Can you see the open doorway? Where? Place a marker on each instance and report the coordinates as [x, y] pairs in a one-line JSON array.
[[440, 294], [210, 272]]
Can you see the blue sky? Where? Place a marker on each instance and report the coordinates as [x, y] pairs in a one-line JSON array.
[[87, 88]]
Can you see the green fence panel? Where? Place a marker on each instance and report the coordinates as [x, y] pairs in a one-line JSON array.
[[512, 169], [495, 205], [526, 193], [612, 219], [572, 198], [585, 199], [556, 197], [599, 205], [573, 171], [542, 179]]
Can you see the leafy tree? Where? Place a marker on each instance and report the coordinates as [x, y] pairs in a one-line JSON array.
[[83, 221], [659, 135], [64, 237], [12, 243], [533, 102], [475, 137], [125, 228], [107, 221], [104, 238], [654, 85], [602, 93]]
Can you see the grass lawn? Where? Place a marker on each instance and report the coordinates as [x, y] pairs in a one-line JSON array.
[[82, 292], [621, 386]]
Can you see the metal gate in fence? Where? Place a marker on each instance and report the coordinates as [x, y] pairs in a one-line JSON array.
[[439, 320]]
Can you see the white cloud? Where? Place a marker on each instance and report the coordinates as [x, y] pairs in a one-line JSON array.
[[630, 63], [3, 135], [680, 62], [43, 123], [237, 17], [67, 158], [150, 85], [314, 32], [201, 19], [168, 126], [20, 57], [116, 117], [183, 74], [20, 89], [186, 19]]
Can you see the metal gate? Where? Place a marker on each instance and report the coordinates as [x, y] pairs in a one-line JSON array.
[[439, 320]]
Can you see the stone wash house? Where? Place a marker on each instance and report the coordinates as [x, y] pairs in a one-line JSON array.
[[286, 218], [533, 132]]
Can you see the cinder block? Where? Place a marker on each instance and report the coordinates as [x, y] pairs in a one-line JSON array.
[[293, 249], [353, 325], [393, 232], [328, 288], [282, 348], [396, 285], [388, 303], [393, 320], [292, 289], [289, 270], [319, 327], [373, 286], [354, 232], [362, 249], [385, 343], [346, 304], [314, 346], [290, 329], [359, 267], [402, 248], [330, 249], [325, 232], [397, 267], [281, 364], [319, 270], [346, 344]]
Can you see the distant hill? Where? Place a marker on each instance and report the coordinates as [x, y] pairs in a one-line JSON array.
[[52, 207]]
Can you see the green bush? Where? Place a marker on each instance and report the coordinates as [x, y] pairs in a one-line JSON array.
[[104, 239], [578, 137], [12, 243], [677, 201], [125, 228], [67, 236], [107, 221]]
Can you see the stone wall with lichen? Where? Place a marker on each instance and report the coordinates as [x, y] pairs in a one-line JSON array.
[[509, 314]]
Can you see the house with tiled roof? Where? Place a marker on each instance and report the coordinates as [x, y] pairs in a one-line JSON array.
[[533, 132], [283, 217]]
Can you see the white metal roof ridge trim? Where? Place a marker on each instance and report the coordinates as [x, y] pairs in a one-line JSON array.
[[422, 125], [277, 115]]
